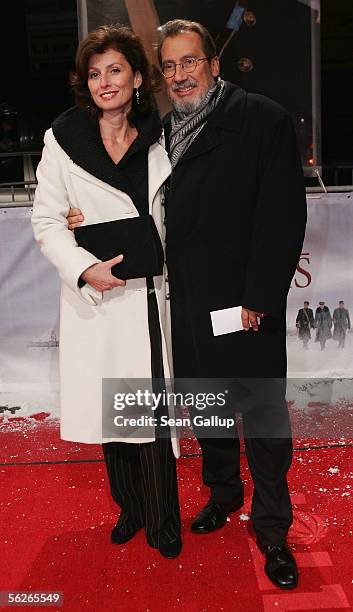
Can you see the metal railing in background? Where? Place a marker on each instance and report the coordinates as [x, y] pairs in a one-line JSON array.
[[337, 175], [332, 178], [18, 192]]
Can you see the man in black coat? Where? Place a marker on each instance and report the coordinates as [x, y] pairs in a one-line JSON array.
[[323, 324], [341, 323], [235, 220], [305, 322]]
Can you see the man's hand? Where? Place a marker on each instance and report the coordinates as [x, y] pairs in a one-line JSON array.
[[100, 277], [75, 218], [250, 318]]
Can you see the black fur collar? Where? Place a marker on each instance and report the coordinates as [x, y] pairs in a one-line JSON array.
[[78, 134]]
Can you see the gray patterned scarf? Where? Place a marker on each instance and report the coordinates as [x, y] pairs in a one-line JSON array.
[[185, 127]]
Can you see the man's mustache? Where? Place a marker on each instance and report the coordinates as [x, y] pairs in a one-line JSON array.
[[188, 83]]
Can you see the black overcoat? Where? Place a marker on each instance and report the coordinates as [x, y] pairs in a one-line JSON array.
[[305, 320], [235, 221], [323, 324]]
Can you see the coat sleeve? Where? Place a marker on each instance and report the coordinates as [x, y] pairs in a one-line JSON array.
[[329, 319], [50, 209], [279, 219]]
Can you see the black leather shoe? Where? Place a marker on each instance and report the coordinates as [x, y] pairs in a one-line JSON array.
[[120, 536], [280, 565], [170, 550], [214, 515]]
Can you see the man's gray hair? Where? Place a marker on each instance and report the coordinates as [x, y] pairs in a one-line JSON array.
[[180, 26]]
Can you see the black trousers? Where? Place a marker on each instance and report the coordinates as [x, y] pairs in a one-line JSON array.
[[268, 447], [143, 483], [268, 441], [269, 460], [142, 477]]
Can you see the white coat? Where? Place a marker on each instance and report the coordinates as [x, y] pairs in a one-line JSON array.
[[102, 335]]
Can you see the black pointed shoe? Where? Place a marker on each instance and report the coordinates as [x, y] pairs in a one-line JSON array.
[[214, 515], [119, 534], [171, 549], [280, 565]]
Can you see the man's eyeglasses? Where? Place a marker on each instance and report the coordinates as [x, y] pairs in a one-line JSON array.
[[188, 65]]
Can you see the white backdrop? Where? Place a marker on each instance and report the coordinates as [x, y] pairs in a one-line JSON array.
[[29, 298], [324, 273]]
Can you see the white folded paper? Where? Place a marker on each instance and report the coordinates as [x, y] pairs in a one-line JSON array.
[[226, 321]]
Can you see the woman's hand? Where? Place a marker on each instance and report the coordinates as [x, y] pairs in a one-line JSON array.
[[100, 277], [74, 218]]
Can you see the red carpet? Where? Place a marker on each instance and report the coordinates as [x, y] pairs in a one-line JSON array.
[[56, 520]]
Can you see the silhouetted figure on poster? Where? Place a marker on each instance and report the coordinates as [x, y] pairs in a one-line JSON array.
[[341, 323], [305, 322], [323, 324]]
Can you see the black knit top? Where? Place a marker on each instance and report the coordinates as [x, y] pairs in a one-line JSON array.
[[79, 135]]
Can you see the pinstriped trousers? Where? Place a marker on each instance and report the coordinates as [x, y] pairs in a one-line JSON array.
[[142, 477]]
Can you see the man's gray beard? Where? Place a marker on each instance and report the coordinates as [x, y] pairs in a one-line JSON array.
[[187, 108]]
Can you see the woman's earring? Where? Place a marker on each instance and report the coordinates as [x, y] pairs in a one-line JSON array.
[[137, 96]]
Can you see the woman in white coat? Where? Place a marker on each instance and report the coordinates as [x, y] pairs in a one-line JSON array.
[[104, 157]]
